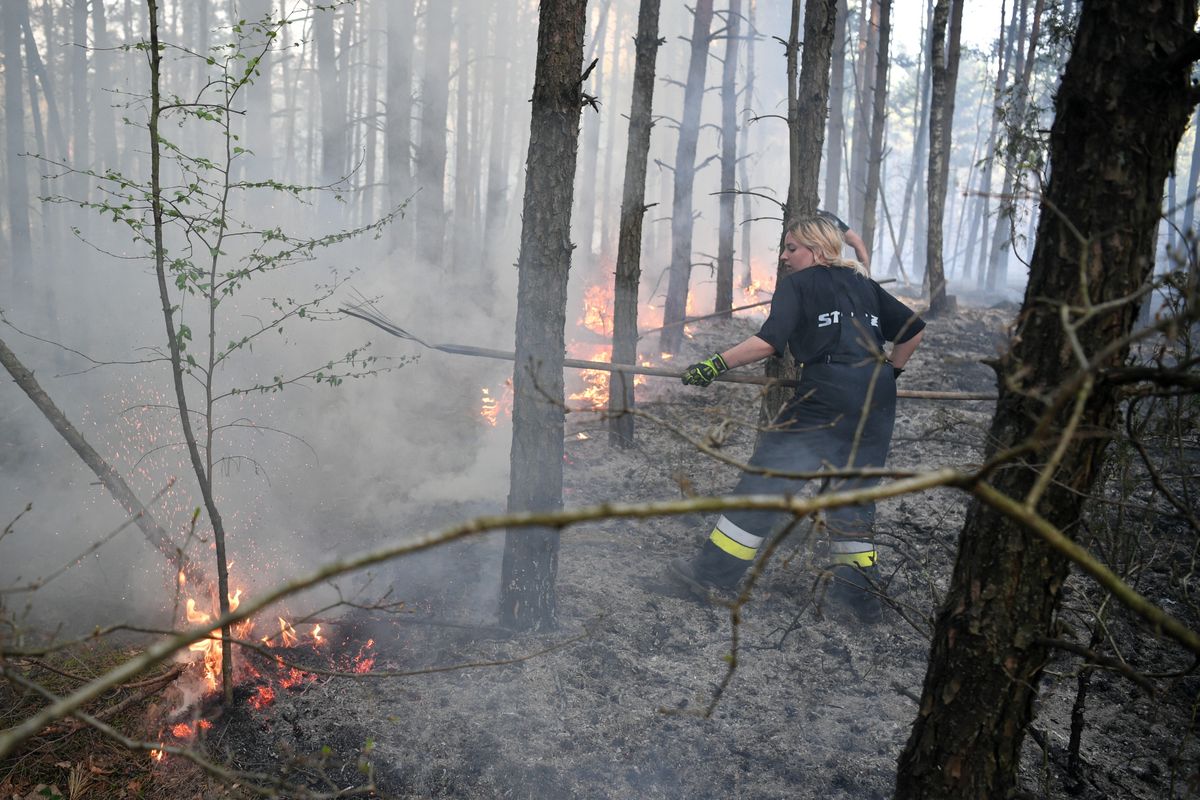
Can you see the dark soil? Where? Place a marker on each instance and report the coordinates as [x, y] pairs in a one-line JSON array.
[[819, 705]]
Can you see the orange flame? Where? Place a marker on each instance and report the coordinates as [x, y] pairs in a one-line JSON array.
[[262, 698]]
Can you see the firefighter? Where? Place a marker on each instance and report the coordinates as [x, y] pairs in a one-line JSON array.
[[852, 238], [836, 321]]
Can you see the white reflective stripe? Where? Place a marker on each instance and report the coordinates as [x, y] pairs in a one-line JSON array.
[[742, 537], [845, 546]]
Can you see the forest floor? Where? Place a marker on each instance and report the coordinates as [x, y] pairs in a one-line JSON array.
[[610, 705]]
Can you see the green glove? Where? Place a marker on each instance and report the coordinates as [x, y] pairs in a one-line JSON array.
[[705, 372]]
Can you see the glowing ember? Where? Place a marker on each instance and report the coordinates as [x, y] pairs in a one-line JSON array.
[[157, 755], [262, 698], [363, 662], [182, 731]]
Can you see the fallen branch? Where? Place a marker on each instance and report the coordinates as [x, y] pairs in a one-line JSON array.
[[633, 369], [108, 476]]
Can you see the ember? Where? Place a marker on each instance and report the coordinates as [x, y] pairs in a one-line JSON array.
[[262, 698]]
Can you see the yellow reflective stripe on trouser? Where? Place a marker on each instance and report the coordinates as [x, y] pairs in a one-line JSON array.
[[735, 541], [860, 554]]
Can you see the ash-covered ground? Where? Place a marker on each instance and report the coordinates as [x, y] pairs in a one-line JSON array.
[[819, 705]]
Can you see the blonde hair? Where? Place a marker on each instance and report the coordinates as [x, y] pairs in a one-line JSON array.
[[825, 239]]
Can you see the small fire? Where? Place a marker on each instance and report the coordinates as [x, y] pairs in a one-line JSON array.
[[318, 639], [287, 633], [362, 662], [491, 406], [156, 755], [262, 698]]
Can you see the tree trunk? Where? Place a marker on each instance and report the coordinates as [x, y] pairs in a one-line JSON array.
[[12, 14], [747, 112], [370, 124], [398, 143], [333, 123], [863, 102], [496, 193], [103, 125], [585, 222], [463, 238], [1193, 184], [1003, 60], [78, 184], [808, 102], [837, 111], [431, 153], [610, 150], [878, 122], [997, 273], [261, 164], [728, 161], [682, 224], [943, 62], [633, 212], [527, 599], [921, 120], [1116, 104]]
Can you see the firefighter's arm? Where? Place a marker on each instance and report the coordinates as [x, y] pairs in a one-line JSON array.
[[702, 373], [902, 351], [859, 246]]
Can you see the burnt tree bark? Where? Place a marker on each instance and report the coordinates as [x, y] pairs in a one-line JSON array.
[[527, 600], [724, 299], [1124, 98], [943, 63], [808, 101], [682, 223], [864, 80], [633, 212]]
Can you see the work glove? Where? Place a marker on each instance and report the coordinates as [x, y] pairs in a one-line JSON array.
[[705, 372]]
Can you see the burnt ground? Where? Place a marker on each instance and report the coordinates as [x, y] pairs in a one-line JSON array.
[[819, 705]]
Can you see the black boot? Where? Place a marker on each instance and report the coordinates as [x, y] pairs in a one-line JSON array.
[[713, 573], [857, 590]]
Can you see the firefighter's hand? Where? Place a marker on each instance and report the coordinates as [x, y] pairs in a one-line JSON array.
[[705, 372]]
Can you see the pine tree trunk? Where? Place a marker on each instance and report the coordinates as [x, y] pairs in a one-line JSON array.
[[496, 193], [837, 111], [878, 122], [103, 124], [370, 124], [527, 599], [728, 199], [997, 274], [943, 63], [398, 142], [431, 153], [633, 212], [585, 221], [1193, 184], [13, 13], [1116, 104], [78, 184], [333, 127], [682, 224], [863, 103], [607, 242], [463, 244], [808, 102], [920, 135], [747, 112]]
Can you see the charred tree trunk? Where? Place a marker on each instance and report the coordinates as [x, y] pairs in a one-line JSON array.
[[398, 142], [1124, 98], [724, 301], [943, 63], [808, 101], [837, 111], [13, 13], [527, 600], [431, 153], [633, 212], [682, 224], [878, 122]]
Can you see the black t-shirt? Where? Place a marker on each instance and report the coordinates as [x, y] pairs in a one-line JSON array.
[[835, 311]]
